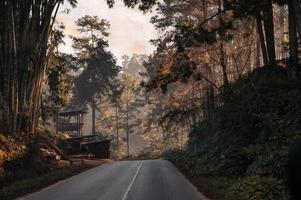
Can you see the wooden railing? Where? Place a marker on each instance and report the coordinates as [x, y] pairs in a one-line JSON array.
[[62, 127]]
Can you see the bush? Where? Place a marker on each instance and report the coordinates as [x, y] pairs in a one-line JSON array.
[[257, 188], [31, 182], [10, 149], [249, 137]]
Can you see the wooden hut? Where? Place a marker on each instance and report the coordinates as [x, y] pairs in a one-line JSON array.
[[91, 144], [70, 121], [100, 149]]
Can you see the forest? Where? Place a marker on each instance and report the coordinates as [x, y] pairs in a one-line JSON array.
[[220, 97]]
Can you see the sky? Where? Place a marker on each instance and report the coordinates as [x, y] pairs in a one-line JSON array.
[[131, 30]]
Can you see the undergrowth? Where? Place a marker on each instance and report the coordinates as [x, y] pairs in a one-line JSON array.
[[247, 143]]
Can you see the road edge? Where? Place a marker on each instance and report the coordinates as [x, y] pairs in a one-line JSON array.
[[24, 197], [188, 180]]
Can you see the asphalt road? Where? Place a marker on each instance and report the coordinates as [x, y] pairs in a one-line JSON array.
[[126, 180]]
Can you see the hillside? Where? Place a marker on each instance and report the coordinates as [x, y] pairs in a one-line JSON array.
[[247, 147]]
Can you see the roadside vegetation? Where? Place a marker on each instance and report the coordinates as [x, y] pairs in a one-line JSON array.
[[46, 81], [245, 151], [24, 170], [22, 182]]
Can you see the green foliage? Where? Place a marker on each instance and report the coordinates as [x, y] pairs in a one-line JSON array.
[[29, 181], [59, 82], [98, 64], [88, 23], [96, 79], [10, 149], [185, 159], [256, 187], [251, 136], [142, 4], [257, 123]]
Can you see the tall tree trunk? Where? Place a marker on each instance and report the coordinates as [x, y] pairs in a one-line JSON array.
[[223, 65], [268, 22], [262, 40], [26, 26], [186, 123], [209, 105], [281, 50], [293, 42], [257, 52], [222, 50], [210, 100], [117, 129], [297, 11], [127, 129], [205, 9], [194, 120], [93, 107]]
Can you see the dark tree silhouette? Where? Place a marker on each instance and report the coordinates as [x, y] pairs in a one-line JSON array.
[[97, 78]]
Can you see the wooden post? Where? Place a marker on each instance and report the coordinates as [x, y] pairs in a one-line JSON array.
[[56, 123]]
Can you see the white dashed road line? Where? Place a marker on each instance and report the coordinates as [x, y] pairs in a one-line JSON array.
[[132, 182]]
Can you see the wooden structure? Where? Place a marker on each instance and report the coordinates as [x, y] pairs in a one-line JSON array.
[[70, 121], [100, 149], [88, 145]]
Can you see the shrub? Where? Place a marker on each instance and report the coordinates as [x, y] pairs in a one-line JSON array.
[[10, 149], [256, 188], [31, 182]]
